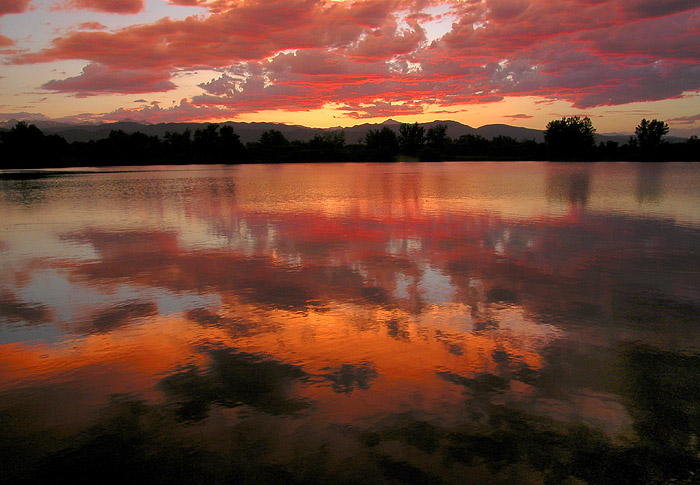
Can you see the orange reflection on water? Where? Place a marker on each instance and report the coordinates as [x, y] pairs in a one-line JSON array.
[[406, 355]]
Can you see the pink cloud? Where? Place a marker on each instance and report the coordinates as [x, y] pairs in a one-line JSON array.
[[252, 95], [379, 109], [13, 6], [253, 30], [675, 37], [187, 3], [387, 41], [223, 86], [657, 8], [23, 116], [96, 79], [685, 120], [6, 41], [373, 56], [507, 9], [108, 6], [92, 26], [184, 111]]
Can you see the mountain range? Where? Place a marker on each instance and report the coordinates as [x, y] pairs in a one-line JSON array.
[[250, 132]]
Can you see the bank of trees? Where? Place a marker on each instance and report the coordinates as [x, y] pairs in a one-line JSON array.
[[572, 138]]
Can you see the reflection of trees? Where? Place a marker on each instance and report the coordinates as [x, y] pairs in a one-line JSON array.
[[131, 442], [569, 183], [665, 404], [510, 446], [649, 182], [26, 189]]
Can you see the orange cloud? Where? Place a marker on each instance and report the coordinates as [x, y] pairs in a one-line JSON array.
[[13, 6], [92, 26], [6, 41], [108, 6]]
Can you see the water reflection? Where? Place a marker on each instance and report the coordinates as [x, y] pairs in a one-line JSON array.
[[454, 323], [571, 182], [234, 379], [649, 181]]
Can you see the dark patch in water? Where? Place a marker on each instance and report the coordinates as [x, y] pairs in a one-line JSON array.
[[348, 377], [234, 379]]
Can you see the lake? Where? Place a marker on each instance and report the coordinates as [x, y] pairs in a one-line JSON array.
[[351, 323]]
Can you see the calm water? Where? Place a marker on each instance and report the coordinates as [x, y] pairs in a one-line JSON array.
[[420, 323]]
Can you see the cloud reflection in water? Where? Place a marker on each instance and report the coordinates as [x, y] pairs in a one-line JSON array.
[[434, 321]]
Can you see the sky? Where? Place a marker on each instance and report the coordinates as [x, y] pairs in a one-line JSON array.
[[328, 63]]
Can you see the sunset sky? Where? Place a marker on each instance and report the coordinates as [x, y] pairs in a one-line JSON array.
[[326, 63]]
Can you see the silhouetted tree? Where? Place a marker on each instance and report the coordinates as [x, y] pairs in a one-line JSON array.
[[327, 147], [608, 150], [504, 147], [437, 144], [471, 145], [272, 147], [121, 148], [329, 141], [273, 139], [231, 150], [217, 145], [649, 137], [178, 146], [23, 147], [650, 133], [570, 137], [382, 145], [411, 138], [206, 141]]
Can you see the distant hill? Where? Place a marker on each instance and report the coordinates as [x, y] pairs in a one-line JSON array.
[[250, 132]]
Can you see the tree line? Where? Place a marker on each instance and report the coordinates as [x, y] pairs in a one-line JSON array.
[[570, 138]]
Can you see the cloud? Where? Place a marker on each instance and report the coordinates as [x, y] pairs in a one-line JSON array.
[[650, 40], [506, 9], [108, 6], [519, 116], [13, 6], [6, 41], [657, 8], [96, 79], [387, 41], [23, 116], [184, 111], [92, 26], [685, 120], [253, 30], [379, 109], [187, 3], [373, 57], [225, 85]]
